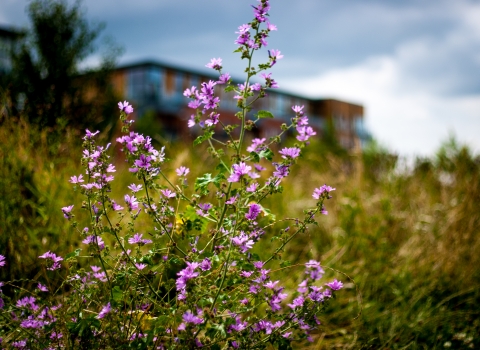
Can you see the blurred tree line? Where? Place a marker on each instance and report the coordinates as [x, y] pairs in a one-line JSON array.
[[45, 85]]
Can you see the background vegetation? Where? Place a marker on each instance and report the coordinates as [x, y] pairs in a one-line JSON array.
[[406, 235], [404, 239]]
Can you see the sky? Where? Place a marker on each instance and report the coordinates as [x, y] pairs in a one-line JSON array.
[[413, 64]]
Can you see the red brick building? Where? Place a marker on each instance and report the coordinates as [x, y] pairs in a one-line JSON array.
[[158, 88]]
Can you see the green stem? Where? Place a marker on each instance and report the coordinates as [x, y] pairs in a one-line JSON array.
[[159, 221], [302, 227]]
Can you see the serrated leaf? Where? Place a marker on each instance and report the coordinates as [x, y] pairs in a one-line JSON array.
[[255, 157], [266, 153], [217, 179], [202, 182], [264, 114], [204, 137], [72, 254]]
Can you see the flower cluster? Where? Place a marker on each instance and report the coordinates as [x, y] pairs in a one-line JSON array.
[[173, 263]]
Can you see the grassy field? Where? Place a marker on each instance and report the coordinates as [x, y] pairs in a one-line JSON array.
[[404, 240]]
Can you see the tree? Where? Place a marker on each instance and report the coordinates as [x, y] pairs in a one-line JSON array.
[[46, 80]]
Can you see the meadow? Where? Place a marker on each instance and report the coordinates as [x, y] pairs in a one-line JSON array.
[[403, 239]]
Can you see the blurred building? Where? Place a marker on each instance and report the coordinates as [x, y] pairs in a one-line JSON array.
[[157, 88]]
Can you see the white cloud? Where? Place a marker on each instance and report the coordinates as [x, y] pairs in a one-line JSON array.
[[418, 95], [405, 118]]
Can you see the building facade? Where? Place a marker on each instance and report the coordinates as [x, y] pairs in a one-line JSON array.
[[158, 88]]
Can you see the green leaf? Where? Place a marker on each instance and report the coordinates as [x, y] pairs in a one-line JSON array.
[[255, 157], [285, 263], [264, 114], [204, 137], [222, 168], [117, 294], [202, 182], [72, 254], [266, 153]]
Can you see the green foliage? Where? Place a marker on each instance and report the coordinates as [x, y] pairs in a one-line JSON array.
[[31, 189], [264, 114], [409, 239], [45, 80]]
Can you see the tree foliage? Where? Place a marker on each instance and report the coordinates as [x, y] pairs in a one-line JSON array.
[[46, 82]]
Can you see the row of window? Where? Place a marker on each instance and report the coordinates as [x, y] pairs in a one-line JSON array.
[[156, 86]]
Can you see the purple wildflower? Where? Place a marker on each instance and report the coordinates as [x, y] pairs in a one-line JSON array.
[[182, 171], [215, 63], [52, 259], [131, 202], [169, 194], [206, 264], [224, 78], [105, 310], [232, 200], [213, 119], [125, 107], [42, 288], [2, 261], [190, 93], [135, 188], [27, 302], [243, 242], [140, 266], [258, 264], [189, 317], [186, 274], [89, 134], [314, 270], [253, 211], [116, 206], [297, 302], [66, 212], [137, 239], [319, 192], [252, 187], [305, 132], [316, 294], [238, 171], [271, 26], [92, 239], [76, 180], [335, 285], [21, 344], [274, 56], [256, 145], [271, 284], [269, 82], [246, 274], [204, 208], [290, 152], [302, 287], [143, 162]]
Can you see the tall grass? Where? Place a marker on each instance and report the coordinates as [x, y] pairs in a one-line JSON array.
[[408, 237]]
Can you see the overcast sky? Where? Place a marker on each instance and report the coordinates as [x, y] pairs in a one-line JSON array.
[[413, 64]]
